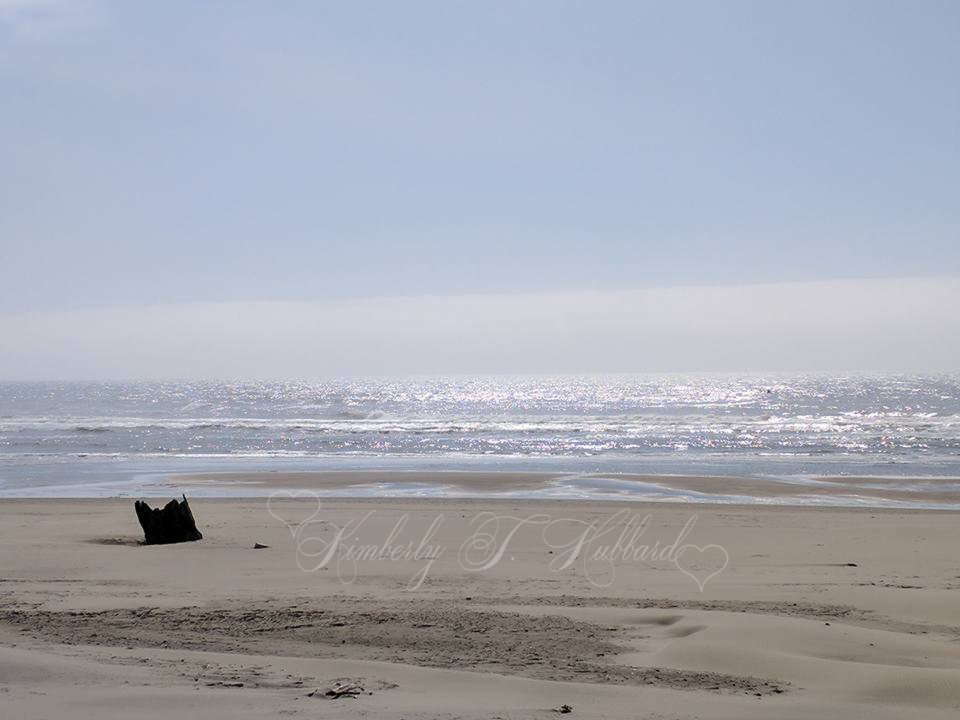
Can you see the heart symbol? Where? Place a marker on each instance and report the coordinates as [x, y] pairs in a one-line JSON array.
[[694, 560], [290, 518]]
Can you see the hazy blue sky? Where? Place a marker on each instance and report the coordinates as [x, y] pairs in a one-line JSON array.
[[158, 153]]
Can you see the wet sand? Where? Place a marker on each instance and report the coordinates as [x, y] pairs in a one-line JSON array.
[[839, 490]]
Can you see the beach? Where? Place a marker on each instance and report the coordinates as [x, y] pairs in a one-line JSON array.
[[479, 361], [426, 607]]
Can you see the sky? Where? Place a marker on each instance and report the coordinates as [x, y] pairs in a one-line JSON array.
[[299, 189]]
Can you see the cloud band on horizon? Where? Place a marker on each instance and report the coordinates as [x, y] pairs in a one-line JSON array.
[[855, 325]]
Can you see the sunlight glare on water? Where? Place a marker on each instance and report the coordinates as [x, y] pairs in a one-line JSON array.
[[688, 424]]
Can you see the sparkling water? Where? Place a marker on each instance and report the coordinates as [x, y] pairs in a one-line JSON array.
[[97, 438]]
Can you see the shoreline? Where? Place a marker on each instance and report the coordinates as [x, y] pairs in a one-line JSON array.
[[830, 491], [899, 492]]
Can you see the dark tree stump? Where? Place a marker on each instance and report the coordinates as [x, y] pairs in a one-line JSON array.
[[172, 524]]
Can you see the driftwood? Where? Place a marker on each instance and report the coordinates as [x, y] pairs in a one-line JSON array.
[[172, 524]]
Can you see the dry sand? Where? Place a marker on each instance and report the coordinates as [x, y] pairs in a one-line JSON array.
[[804, 613]]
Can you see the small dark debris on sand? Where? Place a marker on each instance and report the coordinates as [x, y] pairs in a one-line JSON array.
[[339, 690]]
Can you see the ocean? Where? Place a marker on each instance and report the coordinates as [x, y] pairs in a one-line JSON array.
[[120, 439]]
